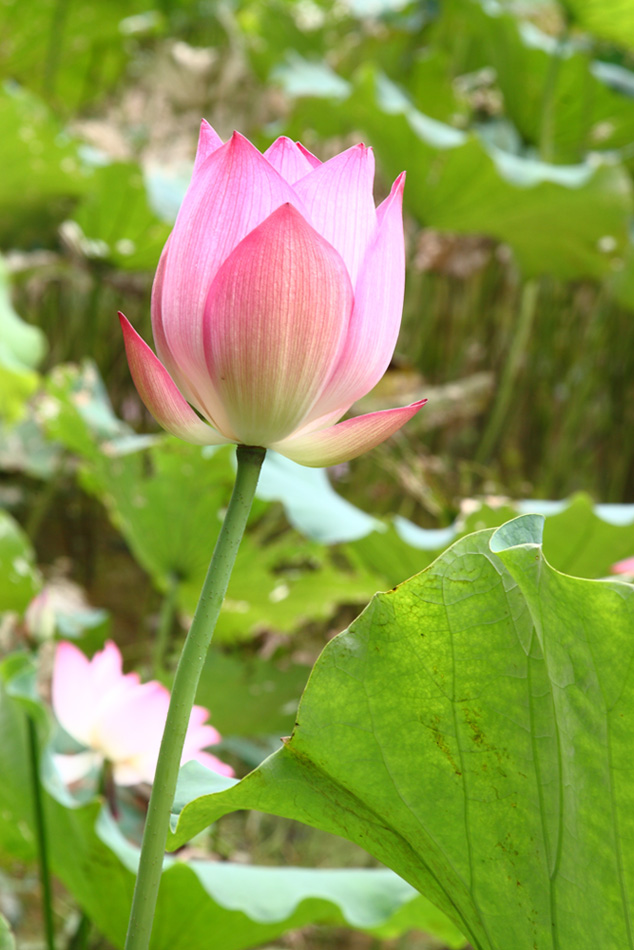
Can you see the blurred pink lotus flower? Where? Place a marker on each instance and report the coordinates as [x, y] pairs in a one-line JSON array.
[[276, 304], [119, 719], [624, 567]]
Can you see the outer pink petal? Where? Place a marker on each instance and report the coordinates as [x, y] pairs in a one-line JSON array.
[[70, 691], [288, 159], [81, 688], [376, 319], [623, 567], [161, 395], [199, 390], [133, 726], [232, 192], [338, 198], [208, 142], [346, 440], [275, 319], [199, 730]]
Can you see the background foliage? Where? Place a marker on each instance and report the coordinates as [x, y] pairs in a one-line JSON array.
[[515, 123]]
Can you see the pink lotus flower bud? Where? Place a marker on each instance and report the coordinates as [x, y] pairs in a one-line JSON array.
[[276, 304], [118, 718]]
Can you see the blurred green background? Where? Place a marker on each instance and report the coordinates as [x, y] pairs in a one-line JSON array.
[[515, 123]]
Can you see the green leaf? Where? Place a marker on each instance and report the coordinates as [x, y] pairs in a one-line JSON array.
[[21, 349], [250, 696], [608, 19], [472, 730], [579, 537], [19, 578], [116, 221], [553, 92], [41, 170], [311, 503], [7, 940], [235, 905], [72, 53], [556, 218]]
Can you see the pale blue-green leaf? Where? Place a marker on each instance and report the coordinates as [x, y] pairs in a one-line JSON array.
[[311, 503]]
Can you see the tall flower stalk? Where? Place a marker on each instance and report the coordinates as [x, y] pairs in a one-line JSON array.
[[188, 672], [276, 305]]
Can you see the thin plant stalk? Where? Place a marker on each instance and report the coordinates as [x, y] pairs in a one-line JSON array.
[[188, 672], [528, 308], [165, 625], [41, 837], [79, 940]]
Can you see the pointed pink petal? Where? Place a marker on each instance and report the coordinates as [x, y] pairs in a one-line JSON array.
[[623, 567], [208, 142], [339, 202], [199, 730], [232, 192], [161, 395], [288, 159], [200, 734], [312, 160], [200, 737], [275, 319], [203, 396], [347, 439], [376, 318]]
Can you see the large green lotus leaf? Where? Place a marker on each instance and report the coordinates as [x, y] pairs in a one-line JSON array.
[[234, 905], [19, 577], [472, 729], [553, 216], [552, 90], [608, 19], [41, 170], [116, 221], [579, 541], [579, 537]]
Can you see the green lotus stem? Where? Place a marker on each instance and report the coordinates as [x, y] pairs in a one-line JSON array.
[[190, 666], [40, 833]]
